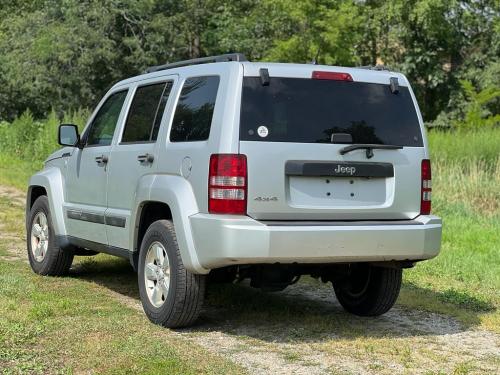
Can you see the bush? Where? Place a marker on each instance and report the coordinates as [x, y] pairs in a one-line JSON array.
[[477, 115], [33, 140]]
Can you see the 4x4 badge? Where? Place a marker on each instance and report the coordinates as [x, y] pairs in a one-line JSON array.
[[266, 199]]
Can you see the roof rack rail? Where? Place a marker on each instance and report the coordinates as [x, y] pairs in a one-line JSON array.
[[201, 60], [377, 67]]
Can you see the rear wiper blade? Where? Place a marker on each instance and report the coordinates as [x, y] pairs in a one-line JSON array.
[[369, 148]]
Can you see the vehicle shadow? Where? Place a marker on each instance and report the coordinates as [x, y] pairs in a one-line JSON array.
[[306, 311]]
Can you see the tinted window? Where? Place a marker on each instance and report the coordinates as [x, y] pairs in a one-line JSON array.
[[146, 111], [310, 110], [104, 123], [193, 115]]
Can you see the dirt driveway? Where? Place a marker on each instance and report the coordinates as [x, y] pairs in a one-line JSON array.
[[303, 330]]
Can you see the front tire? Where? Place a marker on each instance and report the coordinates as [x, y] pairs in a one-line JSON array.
[[45, 257], [171, 295], [368, 290]]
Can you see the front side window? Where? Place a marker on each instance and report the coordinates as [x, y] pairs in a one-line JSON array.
[[103, 125], [146, 111], [193, 115]]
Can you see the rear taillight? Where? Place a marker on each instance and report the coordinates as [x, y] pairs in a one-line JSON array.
[[426, 188], [334, 76], [227, 184]]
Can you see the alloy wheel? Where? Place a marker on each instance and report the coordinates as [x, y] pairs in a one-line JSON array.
[[39, 236], [157, 274]]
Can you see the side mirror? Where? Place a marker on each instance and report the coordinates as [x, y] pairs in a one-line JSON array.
[[68, 135]]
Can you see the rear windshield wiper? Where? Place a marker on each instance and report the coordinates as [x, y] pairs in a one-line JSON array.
[[369, 148]]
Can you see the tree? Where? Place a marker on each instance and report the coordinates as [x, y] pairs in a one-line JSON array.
[[64, 54], [324, 31], [476, 114]]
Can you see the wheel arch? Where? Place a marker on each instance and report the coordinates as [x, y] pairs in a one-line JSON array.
[[172, 198], [34, 192], [48, 182], [147, 213]]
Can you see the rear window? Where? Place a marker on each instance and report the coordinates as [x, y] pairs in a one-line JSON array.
[[310, 111]]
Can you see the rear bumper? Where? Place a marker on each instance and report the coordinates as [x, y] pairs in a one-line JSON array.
[[223, 240]]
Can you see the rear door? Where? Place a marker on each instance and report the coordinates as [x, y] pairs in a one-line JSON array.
[[135, 154], [291, 131]]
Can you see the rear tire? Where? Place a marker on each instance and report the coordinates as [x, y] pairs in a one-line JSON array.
[[171, 295], [45, 257], [369, 290]]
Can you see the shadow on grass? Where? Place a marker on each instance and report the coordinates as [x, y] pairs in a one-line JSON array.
[[456, 298], [307, 311]]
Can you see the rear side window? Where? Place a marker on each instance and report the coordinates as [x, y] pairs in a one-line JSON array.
[[146, 111], [193, 115], [311, 110]]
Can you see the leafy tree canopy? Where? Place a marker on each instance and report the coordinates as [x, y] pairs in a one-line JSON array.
[[64, 54]]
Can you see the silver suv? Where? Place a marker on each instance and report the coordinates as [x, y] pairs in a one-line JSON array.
[[219, 169]]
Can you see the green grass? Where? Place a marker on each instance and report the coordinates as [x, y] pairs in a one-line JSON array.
[[469, 257], [33, 140], [463, 281], [73, 325], [463, 146], [77, 323], [26, 142], [56, 325], [17, 172], [466, 194]]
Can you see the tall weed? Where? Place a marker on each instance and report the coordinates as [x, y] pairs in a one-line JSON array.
[[466, 170], [473, 185], [33, 140], [464, 146], [466, 164]]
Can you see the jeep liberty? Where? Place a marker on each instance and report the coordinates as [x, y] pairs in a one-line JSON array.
[[219, 169]]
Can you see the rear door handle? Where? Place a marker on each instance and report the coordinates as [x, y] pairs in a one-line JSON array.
[[101, 159], [146, 158]]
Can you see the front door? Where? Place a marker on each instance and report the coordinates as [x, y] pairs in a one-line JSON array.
[[134, 156], [86, 173]]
